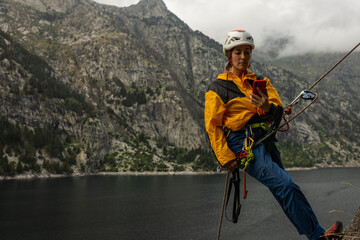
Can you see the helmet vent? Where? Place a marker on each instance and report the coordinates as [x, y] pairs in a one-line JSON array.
[[236, 38]]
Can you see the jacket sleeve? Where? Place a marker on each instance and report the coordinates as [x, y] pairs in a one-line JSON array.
[[275, 113], [213, 115]]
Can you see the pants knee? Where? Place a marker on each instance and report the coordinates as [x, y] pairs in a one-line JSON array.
[[282, 184]]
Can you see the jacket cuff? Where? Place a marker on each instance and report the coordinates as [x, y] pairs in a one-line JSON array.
[[275, 113]]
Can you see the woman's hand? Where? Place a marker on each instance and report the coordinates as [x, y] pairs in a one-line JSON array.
[[261, 101], [232, 165]]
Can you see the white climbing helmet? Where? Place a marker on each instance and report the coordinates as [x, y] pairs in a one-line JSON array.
[[236, 38]]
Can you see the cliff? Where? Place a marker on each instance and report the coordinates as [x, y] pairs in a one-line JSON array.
[[352, 231], [122, 89]]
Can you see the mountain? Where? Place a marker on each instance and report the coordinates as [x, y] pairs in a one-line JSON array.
[[334, 117], [137, 71], [88, 87]]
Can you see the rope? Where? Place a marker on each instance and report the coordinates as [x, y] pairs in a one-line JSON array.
[[302, 110], [286, 123], [223, 205]]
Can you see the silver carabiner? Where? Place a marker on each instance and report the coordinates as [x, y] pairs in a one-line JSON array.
[[305, 94]]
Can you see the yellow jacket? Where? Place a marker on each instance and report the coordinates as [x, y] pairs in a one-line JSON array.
[[227, 104]]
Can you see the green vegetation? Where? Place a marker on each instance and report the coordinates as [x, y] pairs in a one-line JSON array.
[[206, 161], [28, 146], [142, 162], [143, 158], [134, 96], [51, 17], [293, 155], [131, 95], [175, 160], [201, 160], [42, 83], [109, 164], [162, 167], [25, 149]]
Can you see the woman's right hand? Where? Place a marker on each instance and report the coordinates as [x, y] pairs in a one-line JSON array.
[[261, 101], [232, 165]]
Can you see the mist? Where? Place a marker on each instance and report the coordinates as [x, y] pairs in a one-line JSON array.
[[280, 27]]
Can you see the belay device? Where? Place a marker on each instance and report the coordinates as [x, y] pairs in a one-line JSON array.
[[245, 156]]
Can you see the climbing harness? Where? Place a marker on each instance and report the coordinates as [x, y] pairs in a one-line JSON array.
[[246, 155]]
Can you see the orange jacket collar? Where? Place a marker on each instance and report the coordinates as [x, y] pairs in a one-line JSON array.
[[230, 76]]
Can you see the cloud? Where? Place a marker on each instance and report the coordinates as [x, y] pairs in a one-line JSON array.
[[290, 26], [274, 45]]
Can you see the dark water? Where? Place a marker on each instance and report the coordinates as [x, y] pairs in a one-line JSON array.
[[164, 207]]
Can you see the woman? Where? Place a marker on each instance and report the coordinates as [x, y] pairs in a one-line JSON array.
[[232, 111]]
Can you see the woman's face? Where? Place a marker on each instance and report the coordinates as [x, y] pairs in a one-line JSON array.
[[240, 57]]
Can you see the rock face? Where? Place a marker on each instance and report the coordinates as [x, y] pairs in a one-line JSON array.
[[352, 231], [58, 6], [127, 86]]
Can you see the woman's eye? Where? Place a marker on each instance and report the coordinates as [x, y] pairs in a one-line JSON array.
[[247, 53]]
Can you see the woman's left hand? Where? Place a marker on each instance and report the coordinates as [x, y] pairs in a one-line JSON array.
[[261, 101], [232, 165]]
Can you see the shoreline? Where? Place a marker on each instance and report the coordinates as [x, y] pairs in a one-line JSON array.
[[49, 176]]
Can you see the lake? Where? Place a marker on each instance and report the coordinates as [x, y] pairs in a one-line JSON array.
[[176, 207]]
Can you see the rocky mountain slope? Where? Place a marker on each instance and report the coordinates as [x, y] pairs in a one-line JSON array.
[[352, 231], [122, 89], [334, 118]]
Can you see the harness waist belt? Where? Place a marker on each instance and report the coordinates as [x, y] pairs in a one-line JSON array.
[[263, 125]]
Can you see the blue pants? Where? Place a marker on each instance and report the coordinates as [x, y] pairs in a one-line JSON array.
[[268, 169]]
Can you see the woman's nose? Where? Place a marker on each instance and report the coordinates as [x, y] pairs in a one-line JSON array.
[[242, 55]]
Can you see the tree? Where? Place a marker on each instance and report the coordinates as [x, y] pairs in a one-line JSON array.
[[140, 97], [19, 168]]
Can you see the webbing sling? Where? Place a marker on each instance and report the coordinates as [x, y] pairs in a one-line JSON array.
[[234, 180]]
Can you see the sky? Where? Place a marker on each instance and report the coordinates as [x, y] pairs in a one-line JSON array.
[[287, 27]]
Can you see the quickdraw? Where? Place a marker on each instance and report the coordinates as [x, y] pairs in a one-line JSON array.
[[246, 155]]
